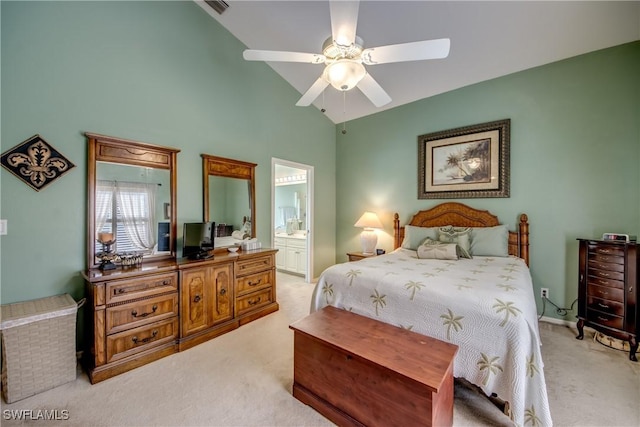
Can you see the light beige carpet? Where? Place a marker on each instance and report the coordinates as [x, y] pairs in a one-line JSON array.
[[244, 378]]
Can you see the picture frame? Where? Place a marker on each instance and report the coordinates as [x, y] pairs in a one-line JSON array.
[[466, 162]]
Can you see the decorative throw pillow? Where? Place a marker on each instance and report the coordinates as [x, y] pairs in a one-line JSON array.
[[414, 236], [459, 235], [490, 241], [434, 249]]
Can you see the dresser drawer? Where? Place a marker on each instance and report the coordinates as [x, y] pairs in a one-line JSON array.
[[254, 265], [611, 294], [603, 319], [600, 249], [254, 301], [615, 308], [124, 290], [606, 282], [254, 282], [606, 274], [606, 266], [136, 340], [607, 258], [126, 316]]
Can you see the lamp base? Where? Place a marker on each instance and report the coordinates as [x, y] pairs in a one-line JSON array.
[[368, 239]]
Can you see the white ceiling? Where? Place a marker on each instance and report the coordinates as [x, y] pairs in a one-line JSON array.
[[488, 40]]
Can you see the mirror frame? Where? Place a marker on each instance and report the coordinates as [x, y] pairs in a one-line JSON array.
[[101, 148], [230, 168]]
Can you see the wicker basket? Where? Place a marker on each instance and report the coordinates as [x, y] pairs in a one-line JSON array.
[[38, 345]]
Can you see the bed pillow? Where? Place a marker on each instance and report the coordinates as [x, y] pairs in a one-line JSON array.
[[414, 236], [459, 235], [435, 249], [490, 241]]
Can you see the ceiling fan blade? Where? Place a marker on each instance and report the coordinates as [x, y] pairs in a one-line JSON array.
[[310, 95], [373, 91], [344, 20], [415, 51], [281, 56]]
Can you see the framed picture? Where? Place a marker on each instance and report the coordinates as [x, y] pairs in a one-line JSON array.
[[167, 211], [467, 162]]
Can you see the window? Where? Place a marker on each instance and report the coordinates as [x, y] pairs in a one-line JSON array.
[[126, 209]]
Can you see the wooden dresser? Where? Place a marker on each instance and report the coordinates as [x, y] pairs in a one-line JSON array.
[[607, 290], [138, 315]]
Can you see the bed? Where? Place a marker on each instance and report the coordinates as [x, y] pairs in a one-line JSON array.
[[484, 304]]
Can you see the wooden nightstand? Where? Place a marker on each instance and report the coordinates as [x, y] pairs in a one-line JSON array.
[[357, 256]]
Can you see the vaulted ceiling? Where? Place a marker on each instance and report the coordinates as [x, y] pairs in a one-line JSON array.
[[488, 40]]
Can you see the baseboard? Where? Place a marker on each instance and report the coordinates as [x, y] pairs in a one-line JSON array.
[[558, 321]]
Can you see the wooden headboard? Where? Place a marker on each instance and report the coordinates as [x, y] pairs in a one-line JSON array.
[[460, 215]]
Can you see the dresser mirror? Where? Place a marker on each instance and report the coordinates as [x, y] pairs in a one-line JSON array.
[[131, 201], [228, 197]]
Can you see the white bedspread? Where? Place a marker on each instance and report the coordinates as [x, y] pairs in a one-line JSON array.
[[484, 305]]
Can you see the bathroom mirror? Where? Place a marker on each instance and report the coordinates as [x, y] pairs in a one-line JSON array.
[[131, 200], [228, 197]]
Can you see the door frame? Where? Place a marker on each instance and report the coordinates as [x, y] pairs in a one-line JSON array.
[[309, 208]]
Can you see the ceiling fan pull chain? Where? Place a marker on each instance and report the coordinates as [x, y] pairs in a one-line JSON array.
[[344, 111]]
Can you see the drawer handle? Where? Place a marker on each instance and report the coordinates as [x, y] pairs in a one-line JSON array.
[[603, 319], [603, 292], [254, 302], [255, 283], [145, 340], [121, 291], [223, 291], [603, 305], [604, 251], [603, 274], [166, 283], [197, 298], [134, 313]]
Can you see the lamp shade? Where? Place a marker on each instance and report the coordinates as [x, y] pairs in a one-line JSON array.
[[368, 220]]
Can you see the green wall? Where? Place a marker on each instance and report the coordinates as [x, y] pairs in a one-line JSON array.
[[160, 72], [575, 151]]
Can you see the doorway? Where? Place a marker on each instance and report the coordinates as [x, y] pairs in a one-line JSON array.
[[292, 217]]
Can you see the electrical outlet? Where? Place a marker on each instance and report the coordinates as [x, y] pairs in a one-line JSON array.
[[3, 227], [544, 293]]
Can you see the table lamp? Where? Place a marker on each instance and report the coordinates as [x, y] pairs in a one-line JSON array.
[[369, 222]]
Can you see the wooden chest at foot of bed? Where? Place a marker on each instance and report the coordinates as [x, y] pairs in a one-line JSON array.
[[359, 371]]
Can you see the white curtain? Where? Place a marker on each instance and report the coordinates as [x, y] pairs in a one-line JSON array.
[[104, 196], [138, 213]]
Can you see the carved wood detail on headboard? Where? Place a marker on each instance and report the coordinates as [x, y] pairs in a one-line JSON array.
[[461, 215]]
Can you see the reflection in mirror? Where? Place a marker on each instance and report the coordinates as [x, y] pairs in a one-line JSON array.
[[229, 191], [131, 204]]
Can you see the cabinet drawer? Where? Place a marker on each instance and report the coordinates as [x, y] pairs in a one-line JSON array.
[[124, 290], [603, 319], [606, 274], [254, 282], [253, 301], [607, 258], [139, 339], [606, 249], [126, 316], [606, 266], [615, 308], [254, 265], [611, 294], [297, 243], [606, 282]]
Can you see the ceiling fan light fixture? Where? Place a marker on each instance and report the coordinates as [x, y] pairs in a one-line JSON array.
[[344, 74]]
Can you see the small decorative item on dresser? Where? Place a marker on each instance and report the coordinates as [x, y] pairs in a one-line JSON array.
[[607, 290], [106, 257]]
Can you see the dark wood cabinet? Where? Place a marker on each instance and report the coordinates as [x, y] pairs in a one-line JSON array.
[[607, 290]]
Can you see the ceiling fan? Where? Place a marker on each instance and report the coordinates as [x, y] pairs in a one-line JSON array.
[[345, 57]]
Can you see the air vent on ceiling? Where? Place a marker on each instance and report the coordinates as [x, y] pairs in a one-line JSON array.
[[217, 5]]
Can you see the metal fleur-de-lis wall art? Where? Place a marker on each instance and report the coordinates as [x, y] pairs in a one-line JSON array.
[[36, 162]]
